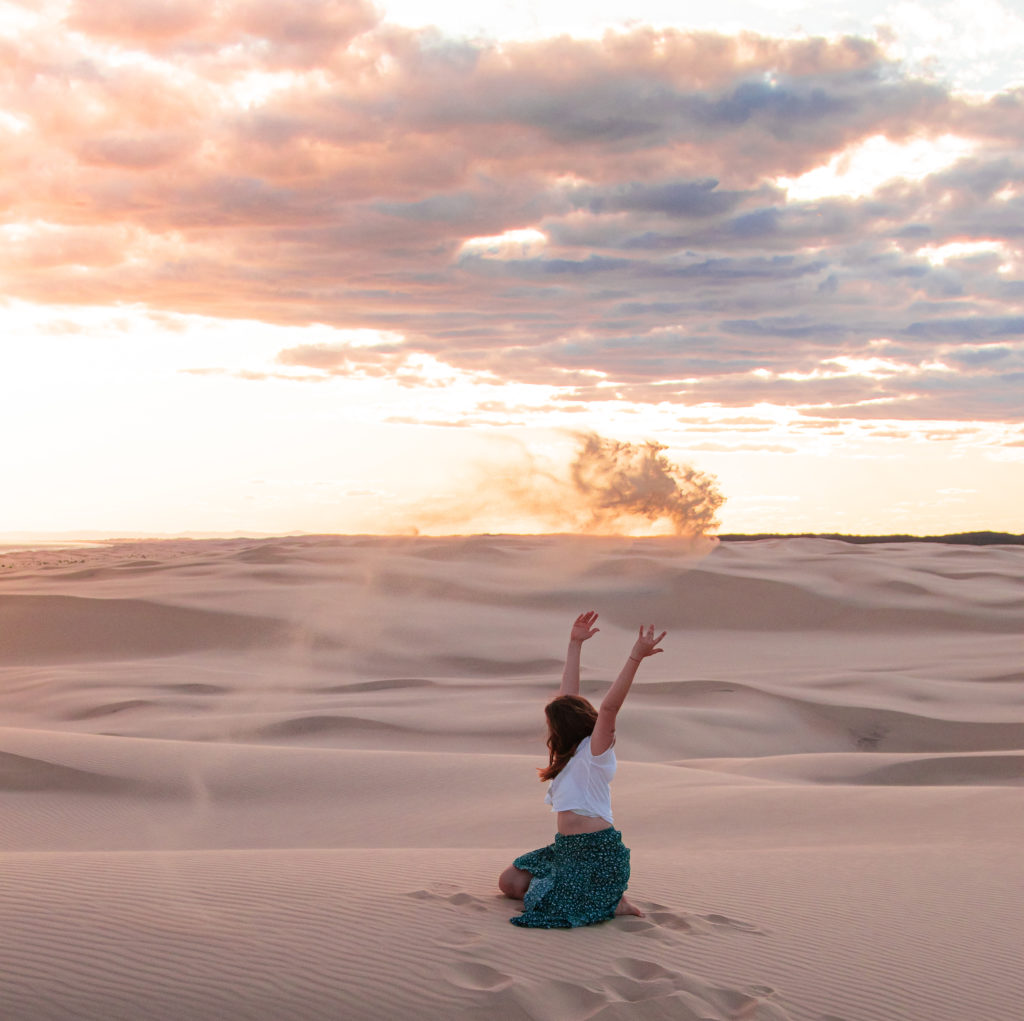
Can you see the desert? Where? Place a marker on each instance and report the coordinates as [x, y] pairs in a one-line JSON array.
[[278, 778]]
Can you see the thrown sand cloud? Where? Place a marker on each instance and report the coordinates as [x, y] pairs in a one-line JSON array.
[[604, 487], [620, 482]]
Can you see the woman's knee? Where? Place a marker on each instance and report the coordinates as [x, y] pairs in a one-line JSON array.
[[514, 882]]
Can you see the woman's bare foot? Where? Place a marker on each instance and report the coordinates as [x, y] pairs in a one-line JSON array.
[[627, 907]]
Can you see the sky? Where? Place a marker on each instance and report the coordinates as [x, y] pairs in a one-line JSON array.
[[330, 266]]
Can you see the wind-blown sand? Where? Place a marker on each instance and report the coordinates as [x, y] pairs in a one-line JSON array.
[[278, 779]]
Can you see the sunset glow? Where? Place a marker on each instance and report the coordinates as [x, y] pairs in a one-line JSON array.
[[874, 162], [340, 270]]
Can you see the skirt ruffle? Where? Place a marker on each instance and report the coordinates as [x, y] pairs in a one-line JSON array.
[[577, 880]]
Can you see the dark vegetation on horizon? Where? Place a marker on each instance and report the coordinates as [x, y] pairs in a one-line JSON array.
[[956, 539]]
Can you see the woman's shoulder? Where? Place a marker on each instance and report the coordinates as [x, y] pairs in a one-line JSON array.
[[583, 748]]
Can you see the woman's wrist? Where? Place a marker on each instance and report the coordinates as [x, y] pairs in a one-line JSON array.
[[637, 659]]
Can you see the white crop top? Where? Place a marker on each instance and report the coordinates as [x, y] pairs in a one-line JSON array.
[[582, 786]]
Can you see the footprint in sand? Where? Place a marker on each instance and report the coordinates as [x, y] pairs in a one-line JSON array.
[[457, 938], [459, 899], [639, 980], [475, 976], [666, 919], [641, 970], [659, 918], [722, 922], [655, 918], [631, 987]]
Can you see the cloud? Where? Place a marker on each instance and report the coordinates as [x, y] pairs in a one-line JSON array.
[[146, 21], [314, 164], [337, 358], [681, 198], [969, 328], [297, 35]]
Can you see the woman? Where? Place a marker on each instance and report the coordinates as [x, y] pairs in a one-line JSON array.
[[581, 878]]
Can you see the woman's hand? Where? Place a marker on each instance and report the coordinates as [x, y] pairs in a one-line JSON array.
[[604, 729], [646, 644], [583, 627]]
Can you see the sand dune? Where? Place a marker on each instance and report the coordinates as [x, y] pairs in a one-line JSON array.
[[967, 768], [277, 778], [47, 628]]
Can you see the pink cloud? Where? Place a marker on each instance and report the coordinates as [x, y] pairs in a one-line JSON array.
[[299, 34], [310, 163], [137, 21]]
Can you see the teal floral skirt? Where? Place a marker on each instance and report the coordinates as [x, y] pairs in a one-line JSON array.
[[577, 880]]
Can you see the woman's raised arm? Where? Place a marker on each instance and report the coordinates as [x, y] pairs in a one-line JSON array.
[[604, 730], [582, 629]]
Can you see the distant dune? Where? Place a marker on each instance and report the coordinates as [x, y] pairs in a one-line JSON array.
[[277, 778], [954, 539]]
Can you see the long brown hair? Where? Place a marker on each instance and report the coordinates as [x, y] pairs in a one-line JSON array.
[[571, 718]]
